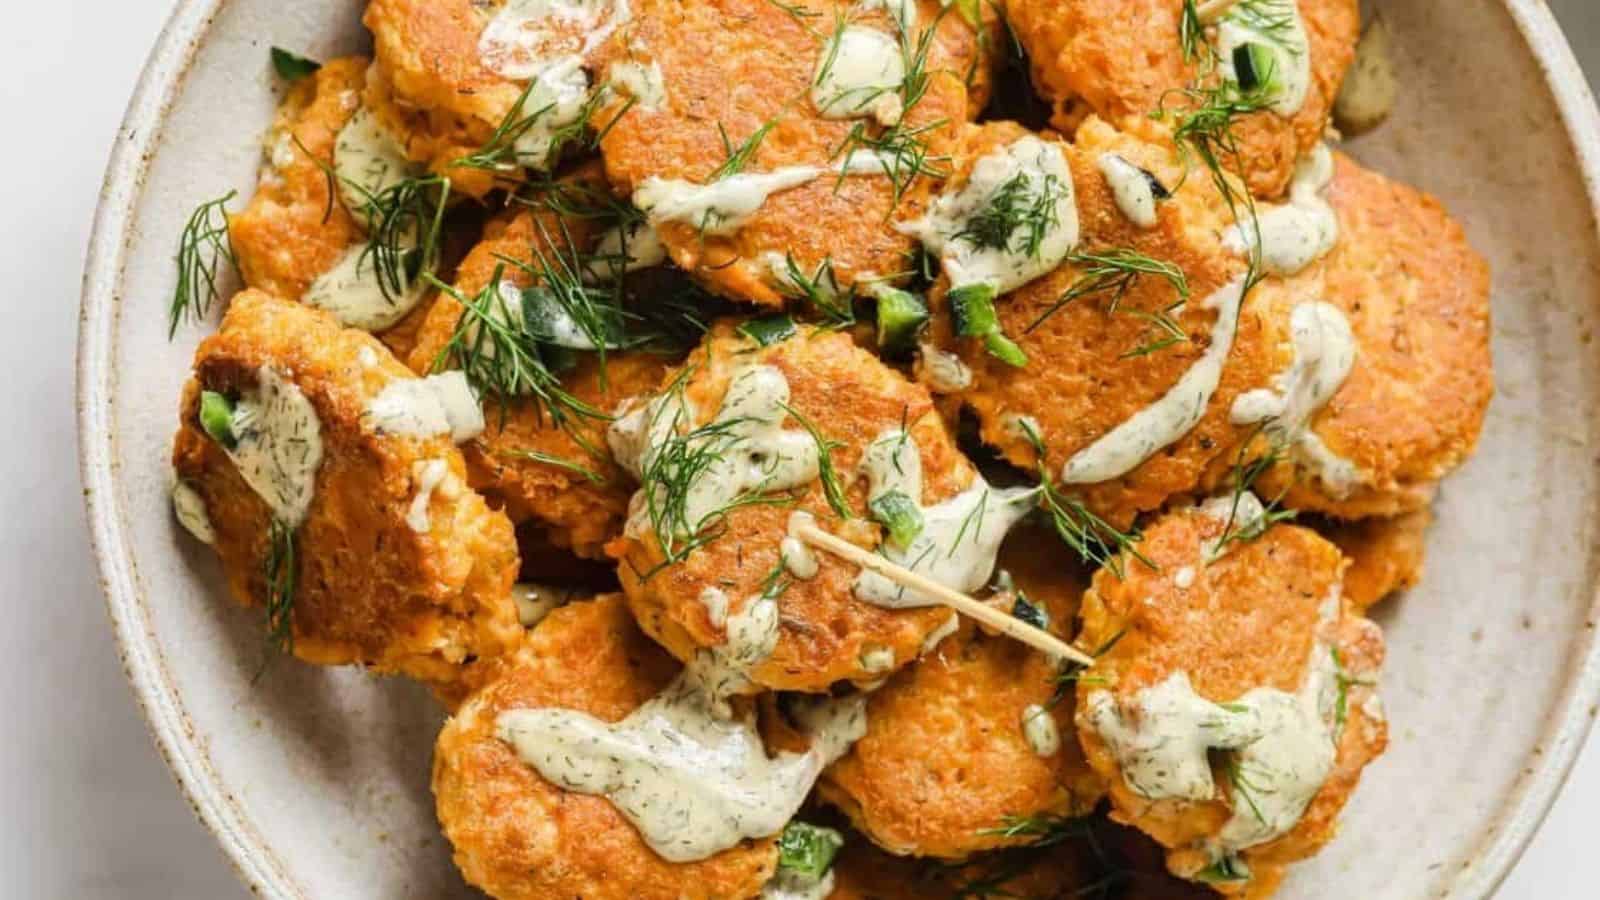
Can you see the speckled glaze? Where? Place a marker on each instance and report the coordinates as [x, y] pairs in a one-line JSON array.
[[315, 781]]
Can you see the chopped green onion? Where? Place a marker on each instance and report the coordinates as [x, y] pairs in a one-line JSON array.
[[292, 67], [1027, 612], [901, 316], [768, 330], [216, 417], [808, 850], [972, 311], [900, 515], [1256, 67], [1227, 868]]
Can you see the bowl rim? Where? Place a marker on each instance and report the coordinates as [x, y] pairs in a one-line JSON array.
[[255, 862]]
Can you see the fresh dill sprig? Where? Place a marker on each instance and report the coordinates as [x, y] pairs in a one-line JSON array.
[[1244, 788], [1073, 673], [798, 13], [556, 462], [741, 155], [832, 485], [1017, 217], [1044, 829], [1095, 540], [281, 572], [820, 290], [1247, 469], [1114, 273], [493, 349], [404, 223], [203, 247]]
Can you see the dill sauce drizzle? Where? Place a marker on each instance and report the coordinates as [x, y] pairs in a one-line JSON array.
[[1324, 352], [278, 445], [1133, 189], [692, 781], [723, 206], [426, 407], [367, 161], [1028, 174], [859, 73], [1123, 448], [1277, 25], [1296, 234], [960, 536], [1283, 745]]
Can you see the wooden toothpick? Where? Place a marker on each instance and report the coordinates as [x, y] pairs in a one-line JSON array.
[[1008, 625]]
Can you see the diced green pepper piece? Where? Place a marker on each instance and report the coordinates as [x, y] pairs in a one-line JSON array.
[[901, 315], [292, 67], [550, 322], [900, 514], [768, 330], [1256, 67], [808, 850], [1027, 612], [972, 312], [216, 417]]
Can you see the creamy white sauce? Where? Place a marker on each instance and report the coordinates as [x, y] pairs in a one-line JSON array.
[[1283, 745], [693, 782], [1040, 731], [1324, 352], [190, 508], [353, 293], [1041, 169], [426, 407], [1287, 39], [943, 371], [535, 601], [903, 13], [791, 885], [749, 636], [556, 102], [798, 556], [1296, 234], [368, 160], [876, 659], [750, 451], [528, 37], [1236, 514], [1184, 578], [427, 475], [1121, 450], [937, 636], [279, 445], [720, 207], [1131, 188], [642, 81], [859, 72], [625, 248], [960, 536]]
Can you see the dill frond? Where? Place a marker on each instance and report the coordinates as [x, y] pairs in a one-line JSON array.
[[1095, 540], [204, 247], [832, 484], [742, 155], [1114, 273], [820, 290], [556, 462], [1017, 217], [281, 571]]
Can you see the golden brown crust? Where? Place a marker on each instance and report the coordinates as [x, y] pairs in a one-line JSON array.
[[1080, 382], [1386, 555], [823, 628], [735, 65], [944, 761], [517, 836], [1416, 296], [430, 88], [292, 230], [1122, 60], [370, 590], [1247, 620]]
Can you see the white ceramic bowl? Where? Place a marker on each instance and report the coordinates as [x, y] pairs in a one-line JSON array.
[[315, 781]]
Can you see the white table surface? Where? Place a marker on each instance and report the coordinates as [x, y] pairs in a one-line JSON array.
[[87, 810]]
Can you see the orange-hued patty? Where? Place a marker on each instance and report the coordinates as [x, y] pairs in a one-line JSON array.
[[519, 837], [1123, 60], [1247, 620], [370, 588]]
